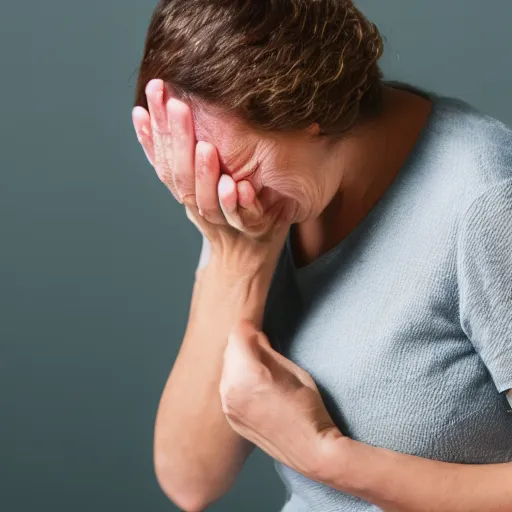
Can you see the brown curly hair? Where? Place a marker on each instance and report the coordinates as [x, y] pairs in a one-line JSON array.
[[278, 65]]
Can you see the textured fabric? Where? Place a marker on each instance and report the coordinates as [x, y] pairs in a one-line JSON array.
[[406, 325]]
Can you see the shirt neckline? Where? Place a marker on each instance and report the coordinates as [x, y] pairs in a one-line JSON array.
[[418, 148]]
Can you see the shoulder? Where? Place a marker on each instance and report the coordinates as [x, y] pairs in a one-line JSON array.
[[485, 228], [482, 143], [473, 149]]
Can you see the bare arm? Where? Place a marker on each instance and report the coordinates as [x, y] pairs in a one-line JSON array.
[[197, 454], [276, 404], [398, 482]]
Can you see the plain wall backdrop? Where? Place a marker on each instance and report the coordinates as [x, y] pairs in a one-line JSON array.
[[97, 259]]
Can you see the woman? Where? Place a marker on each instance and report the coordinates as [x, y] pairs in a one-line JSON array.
[[365, 228]]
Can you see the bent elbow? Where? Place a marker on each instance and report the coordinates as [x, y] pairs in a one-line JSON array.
[[185, 495]]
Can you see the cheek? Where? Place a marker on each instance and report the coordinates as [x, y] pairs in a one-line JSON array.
[[292, 185]]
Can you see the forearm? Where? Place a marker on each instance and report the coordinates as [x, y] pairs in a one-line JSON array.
[[398, 482], [195, 448]]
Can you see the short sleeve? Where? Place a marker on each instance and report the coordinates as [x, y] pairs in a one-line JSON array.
[[484, 271]]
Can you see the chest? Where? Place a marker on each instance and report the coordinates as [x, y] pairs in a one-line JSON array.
[[392, 364]]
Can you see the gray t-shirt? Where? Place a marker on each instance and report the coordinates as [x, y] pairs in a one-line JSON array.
[[406, 325]]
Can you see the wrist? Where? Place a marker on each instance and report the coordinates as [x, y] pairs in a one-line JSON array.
[[356, 468], [336, 465], [249, 260], [245, 290]]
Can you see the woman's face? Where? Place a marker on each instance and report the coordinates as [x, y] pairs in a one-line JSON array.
[[281, 167]]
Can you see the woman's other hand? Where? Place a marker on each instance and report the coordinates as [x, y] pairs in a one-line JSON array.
[[229, 214], [274, 403]]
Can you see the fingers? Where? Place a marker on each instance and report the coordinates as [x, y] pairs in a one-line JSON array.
[[193, 215], [228, 196], [220, 198], [228, 199], [245, 338], [244, 330], [142, 125], [243, 352], [182, 142], [247, 198], [173, 141], [162, 143], [207, 175], [191, 170]]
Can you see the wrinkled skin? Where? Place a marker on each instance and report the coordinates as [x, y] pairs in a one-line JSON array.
[[294, 169], [272, 402], [229, 181], [243, 189]]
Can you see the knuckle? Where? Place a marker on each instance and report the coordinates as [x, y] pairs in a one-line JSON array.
[[180, 181], [258, 377], [194, 218], [227, 409], [181, 140], [202, 164], [160, 132], [200, 171], [166, 177], [235, 223], [158, 142], [253, 380], [233, 404], [208, 213], [189, 199], [179, 110], [157, 131]]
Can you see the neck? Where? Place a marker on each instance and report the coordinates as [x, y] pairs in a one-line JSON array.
[[372, 157]]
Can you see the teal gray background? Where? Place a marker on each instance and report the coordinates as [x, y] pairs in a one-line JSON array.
[[97, 259]]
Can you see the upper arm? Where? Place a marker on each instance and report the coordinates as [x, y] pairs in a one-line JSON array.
[[484, 268]]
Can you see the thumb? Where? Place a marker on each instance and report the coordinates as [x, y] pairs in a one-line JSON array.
[[245, 332], [199, 222], [244, 347], [242, 355]]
